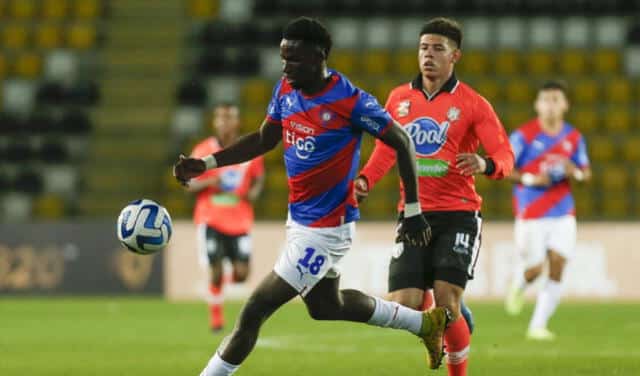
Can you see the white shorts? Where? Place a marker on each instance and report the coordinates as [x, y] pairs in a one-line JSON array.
[[535, 237], [312, 254]]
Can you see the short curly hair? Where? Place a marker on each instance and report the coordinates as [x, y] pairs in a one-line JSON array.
[[309, 30]]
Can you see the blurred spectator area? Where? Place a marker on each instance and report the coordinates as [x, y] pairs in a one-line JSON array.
[[231, 54], [48, 65]]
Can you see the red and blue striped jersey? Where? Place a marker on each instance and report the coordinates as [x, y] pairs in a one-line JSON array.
[[321, 136], [537, 152]]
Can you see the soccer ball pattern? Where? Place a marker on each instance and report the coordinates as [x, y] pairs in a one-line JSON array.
[[144, 227]]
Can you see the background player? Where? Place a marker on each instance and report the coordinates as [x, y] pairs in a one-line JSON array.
[[320, 116], [223, 212], [549, 153], [447, 121]]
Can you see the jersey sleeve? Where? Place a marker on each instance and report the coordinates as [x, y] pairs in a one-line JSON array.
[[493, 138], [580, 156], [518, 144], [368, 115], [274, 114]]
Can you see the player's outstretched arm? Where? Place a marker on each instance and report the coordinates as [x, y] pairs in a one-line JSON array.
[[244, 149]]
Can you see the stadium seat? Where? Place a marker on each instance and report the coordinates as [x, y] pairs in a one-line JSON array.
[[48, 36], [348, 31], [573, 62], [617, 119], [585, 201], [610, 31], [510, 32], [18, 96], [81, 36], [618, 90], [631, 151], [615, 205], [16, 206], [378, 33], [405, 63], [5, 183], [28, 65], [376, 62], [22, 9], [489, 89], [474, 62], [192, 93], [576, 31], [61, 66], [543, 32], [54, 9], [187, 121], [517, 116], [4, 66], [53, 153], [507, 62], [49, 207], [344, 61], [75, 122], [519, 91], [407, 32], [15, 36], [601, 149], [540, 63], [382, 89], [478, 33], [178, 205], [584, 92], [256, 92], [211, 62], [203, 9], [585, 119], [614, 177], [606, 61], [635, 175], [252, 117], [224, 90], [29, 182], [87, 9]]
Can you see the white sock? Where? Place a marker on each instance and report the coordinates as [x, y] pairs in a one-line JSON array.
[[393, 315], [218, 367], [546, 304]]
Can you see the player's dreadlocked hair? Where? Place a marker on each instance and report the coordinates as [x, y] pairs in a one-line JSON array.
[[556, 85], [445, 27], [309, 30]]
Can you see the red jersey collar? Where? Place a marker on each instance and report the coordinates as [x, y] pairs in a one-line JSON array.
[[449, 86]]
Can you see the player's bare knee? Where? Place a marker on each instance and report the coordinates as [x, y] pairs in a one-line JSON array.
[[556, 266], [533, 272]]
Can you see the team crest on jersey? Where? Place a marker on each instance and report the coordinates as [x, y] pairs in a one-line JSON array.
[[453, 114], [403, 108]]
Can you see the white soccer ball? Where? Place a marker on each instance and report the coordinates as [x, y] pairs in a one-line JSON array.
[[144, 227]]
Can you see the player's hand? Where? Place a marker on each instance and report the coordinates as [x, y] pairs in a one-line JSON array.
[[188, 168], [415, 231], [361, 188], [470, 164]]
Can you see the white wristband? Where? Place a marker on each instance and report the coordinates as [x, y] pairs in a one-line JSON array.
[[210, 161], [528, 179], [412, 209], [578, 175]]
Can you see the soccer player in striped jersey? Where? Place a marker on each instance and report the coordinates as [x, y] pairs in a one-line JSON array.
[[224, 193], [320, 117], [448, 121], [550, 155]]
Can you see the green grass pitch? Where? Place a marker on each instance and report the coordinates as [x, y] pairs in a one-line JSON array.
[[148, 336]]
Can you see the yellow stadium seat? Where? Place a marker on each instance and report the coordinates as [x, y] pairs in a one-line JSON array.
[[405, 63], [4, 66], [87, 9], [614, 177], [275, 157], [618, 119], [606, 61], [636, 181], [585, 119], [519, 91], [28, 65], [573, 62], [3, 8], [489, 89], [517, 116], [631, 150], [377, 62], [344, 62], [601, 149], [615, 205], [256, 92], [540, 63], [252, 118], [81, 36], [48, 36], [382, 89], [22, 9], [507, 62], [48, 207], [473, 63], [54, 9], [15, 36], [203, 9], [585, 92], [618, 91], [585, 201], [178, 204]]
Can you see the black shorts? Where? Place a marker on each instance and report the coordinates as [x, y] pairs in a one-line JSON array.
[[450, 256], [214, 245]]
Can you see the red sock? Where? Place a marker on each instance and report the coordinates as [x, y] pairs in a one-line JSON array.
[[428, 300], [216, 319], [456, 340]]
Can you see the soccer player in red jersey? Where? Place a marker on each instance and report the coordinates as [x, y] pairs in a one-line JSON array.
[[223, 212], [447, 121], [550, 155], [320, 117]]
